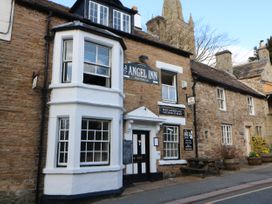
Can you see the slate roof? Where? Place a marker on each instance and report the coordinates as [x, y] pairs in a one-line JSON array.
[[249, 70], [64, 12], [220, 78]]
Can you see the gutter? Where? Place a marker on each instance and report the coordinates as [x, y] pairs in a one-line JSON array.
[[44, 99], [195, 119]]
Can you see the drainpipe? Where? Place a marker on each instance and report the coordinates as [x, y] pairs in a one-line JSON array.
[[44, 99], [195, 123]]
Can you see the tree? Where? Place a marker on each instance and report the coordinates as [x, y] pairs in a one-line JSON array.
[[208, 42], [268, 46]]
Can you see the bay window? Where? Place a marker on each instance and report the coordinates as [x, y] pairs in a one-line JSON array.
[[169, 87], [98, 13], [67, 57], [95, 142], [96, 64], [171, 142]]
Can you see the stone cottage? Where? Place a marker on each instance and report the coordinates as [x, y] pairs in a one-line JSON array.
[[228, 111]]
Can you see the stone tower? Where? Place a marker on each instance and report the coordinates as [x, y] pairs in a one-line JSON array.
[[171, 27]]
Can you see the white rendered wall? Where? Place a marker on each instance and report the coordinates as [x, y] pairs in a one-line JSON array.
[[77, 100], [6, 19]]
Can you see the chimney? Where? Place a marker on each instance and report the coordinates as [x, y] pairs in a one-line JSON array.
[[224, 61], [137, 19], [263, 51]]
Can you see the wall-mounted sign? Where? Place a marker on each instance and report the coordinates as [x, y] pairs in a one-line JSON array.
[[188, 140], [127, 152], [191, 101], [175, 111], [141, 72]]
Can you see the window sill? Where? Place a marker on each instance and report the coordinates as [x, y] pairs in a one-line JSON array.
[[164, 103], [83, 170], [171, 162]]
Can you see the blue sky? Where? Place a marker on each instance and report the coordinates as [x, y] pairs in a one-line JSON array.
[[248, 21]]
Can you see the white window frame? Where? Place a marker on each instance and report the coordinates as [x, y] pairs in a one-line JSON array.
[[226, 131], [122, 18], [251, 107], [97, 65], [98, 17], [66, 74], [168, 89], [221, 99], [258, 130], [63, 141], [171, 143], [93, 142]]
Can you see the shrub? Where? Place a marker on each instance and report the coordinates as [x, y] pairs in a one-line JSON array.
[[254, 155], [258, 144]]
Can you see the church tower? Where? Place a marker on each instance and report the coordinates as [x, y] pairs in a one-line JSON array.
[[171, 27]]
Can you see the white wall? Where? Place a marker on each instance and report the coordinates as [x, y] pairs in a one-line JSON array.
[[6, 19]]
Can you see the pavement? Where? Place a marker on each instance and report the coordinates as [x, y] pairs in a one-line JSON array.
[[190, 189]]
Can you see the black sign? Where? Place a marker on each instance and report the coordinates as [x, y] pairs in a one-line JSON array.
[[127, 152], [175, 111], [188, 140], [141, 72]]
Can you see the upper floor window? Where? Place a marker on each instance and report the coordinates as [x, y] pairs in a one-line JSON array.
[[250, 103], [226, 134], [98, 13], [221, 98], [95, 142], [169, 86], [67, 58], [96, 65], [121, 21]]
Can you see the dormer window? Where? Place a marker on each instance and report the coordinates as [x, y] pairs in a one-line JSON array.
[[98, 13], [121, 21], [96, 64]]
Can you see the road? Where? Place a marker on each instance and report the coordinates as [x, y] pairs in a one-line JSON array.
[[200, 190], [259, 195]]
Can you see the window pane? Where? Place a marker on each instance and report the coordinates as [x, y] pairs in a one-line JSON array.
[[103, 15], [103, 55], [90, 52], [171, 142], [103, 71], [63, 137], [126, 23], [67, 50], [117, 20], [93, 12]]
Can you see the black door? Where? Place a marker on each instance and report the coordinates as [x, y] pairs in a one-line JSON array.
[[141, 160]]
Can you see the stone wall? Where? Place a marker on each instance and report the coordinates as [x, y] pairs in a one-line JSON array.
[[210, 118], [143, 94]]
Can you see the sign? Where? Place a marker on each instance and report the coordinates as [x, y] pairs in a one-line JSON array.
[[191, 101], [141, 72], [188, 140], [127, 152], [175, 111]]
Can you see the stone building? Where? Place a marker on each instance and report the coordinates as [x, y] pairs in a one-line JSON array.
[[75, 84], [171, 27], [228, 111], [258, 75]]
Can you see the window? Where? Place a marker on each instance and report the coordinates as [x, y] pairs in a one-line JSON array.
[[171, 142], [226, 134], [98, 13], [169, 88], [221, 98], [96, 65], [250, 103], [95, 142], [259, 130], [121, 21], [67, 57], [63, 140]]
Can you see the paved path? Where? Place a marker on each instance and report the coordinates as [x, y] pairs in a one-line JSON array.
[[194, 188]]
